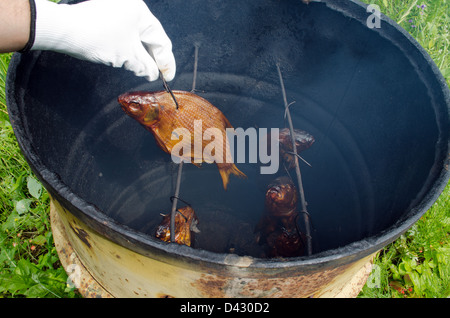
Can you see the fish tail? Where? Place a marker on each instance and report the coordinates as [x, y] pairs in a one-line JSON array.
[[226, 169]]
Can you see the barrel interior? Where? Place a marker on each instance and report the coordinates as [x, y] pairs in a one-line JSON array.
[[370, 105]]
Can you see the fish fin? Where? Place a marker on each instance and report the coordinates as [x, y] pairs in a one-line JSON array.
[[226, 170]]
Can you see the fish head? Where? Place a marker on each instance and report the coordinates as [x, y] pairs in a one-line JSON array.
[[142, 106], [303, 140], [281, 196]]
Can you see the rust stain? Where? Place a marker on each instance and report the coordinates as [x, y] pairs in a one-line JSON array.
[[82, 235], [88, 286], [297, 286], [276, 287], [211, 285]]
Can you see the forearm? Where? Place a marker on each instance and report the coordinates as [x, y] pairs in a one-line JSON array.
[[15, 25]]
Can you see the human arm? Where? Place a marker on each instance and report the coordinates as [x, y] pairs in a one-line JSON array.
[[15, 25], [119, 33]]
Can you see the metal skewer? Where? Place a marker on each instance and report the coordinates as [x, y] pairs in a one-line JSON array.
[[180, 165], [177, 188], [167, 88], [174, 202], [297, 167], [194, 79]]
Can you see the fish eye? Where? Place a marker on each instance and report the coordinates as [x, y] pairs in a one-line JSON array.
[[134, 107]]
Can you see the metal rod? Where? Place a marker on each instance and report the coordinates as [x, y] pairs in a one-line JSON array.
[[297, 168], [167, 88], [180, 165], [174, 202], [177, 188], [194, 80]]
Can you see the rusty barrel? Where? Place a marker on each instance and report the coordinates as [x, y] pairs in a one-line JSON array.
[[375, 102]]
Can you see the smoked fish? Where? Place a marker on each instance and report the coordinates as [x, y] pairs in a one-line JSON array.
[[185, 226], [159, 114]]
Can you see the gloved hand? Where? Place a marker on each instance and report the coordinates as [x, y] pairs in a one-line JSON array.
[[120, 33]]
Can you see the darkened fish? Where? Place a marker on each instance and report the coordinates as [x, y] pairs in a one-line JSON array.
[[281, 197], [185, 226], [157, 112], [303, 141], [278, 229]]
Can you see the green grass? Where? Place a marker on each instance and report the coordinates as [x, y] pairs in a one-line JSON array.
[[415, 265], [29, 264], [418, 263]]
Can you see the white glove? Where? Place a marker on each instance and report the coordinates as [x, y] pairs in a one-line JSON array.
[[120, 33]]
